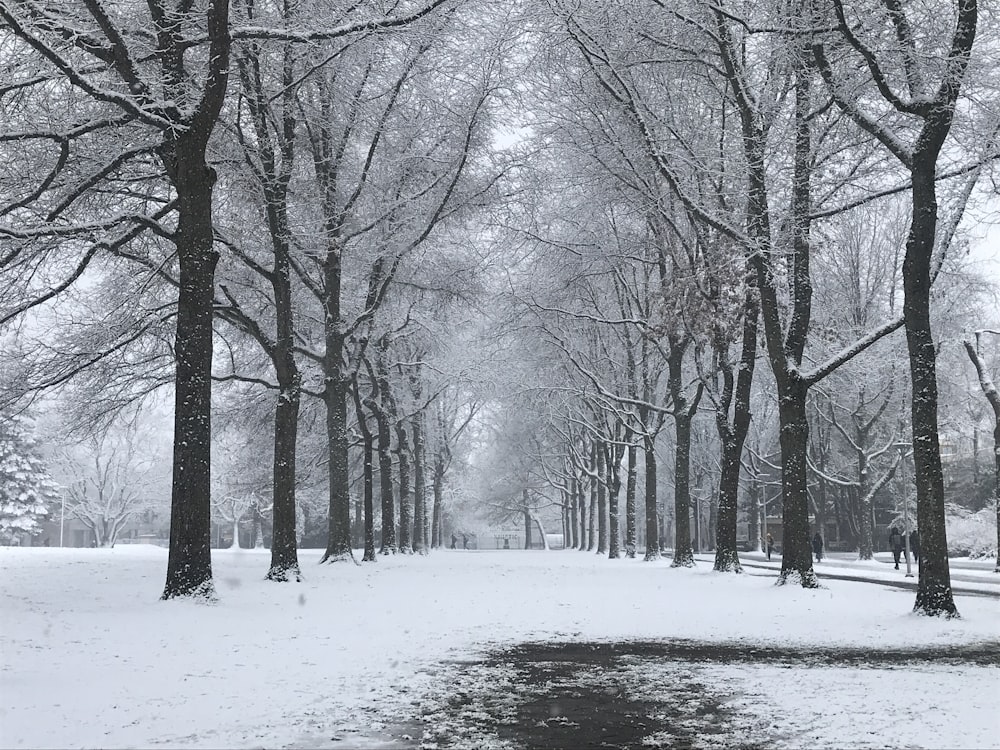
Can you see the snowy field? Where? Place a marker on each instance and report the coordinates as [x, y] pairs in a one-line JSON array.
[[91, 657]]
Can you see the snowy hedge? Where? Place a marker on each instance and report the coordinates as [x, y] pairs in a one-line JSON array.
[[971, 534]]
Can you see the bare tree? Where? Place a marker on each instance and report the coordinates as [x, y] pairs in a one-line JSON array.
[[926, 112], [990, 391], [112, 484]]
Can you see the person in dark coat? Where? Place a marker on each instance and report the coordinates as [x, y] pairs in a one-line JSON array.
[[896, 544], [769, 543], [915, 545], [454, 541], [818, 546]]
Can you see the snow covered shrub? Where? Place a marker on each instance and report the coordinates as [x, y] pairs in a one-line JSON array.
[[971, 534], [26, 489]]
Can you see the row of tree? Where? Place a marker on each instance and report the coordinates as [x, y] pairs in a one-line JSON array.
[[312, 202]]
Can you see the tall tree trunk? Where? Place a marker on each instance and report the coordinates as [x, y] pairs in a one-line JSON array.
[[388, 503], [684, 410], [602, 501], [438, 519], [382, 410], [574, 515], [420, 525], [683, 554], [369, 554], [592, 520], [727, 558], [405, 509], [996, 489], [934, 596], [189, 562], [339, 541], [284, 554], [183, 155], [652, 520], [367, 520], [613, 471], [733, 435], [630, 490], [796, 550], [274, 176], [796, 547], [866, 540]]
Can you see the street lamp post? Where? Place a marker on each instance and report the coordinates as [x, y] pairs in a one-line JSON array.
[[901, 447], [763, 525]]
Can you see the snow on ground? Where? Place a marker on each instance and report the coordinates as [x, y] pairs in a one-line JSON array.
[[92, 658]]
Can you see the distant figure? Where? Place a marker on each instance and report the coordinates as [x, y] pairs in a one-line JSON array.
[[506, 543], [465, 541], [769, 544], [915, 545], [454, 542], [818, 547], [896, 544]]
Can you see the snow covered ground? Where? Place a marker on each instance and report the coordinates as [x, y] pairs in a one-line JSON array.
[[92, 658]]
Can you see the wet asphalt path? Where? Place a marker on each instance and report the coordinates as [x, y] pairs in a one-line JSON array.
[[641, 695]]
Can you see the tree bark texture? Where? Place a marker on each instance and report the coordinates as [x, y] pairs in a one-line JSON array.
[[796, 550], [339, 540], [683, 412], [652, 520], [592, 515], [683, 554], [437, 522], [367, 478], [405, 509], [630, 492], [866, 521], [420, 520], [574, 514], [613, 471], [727, 558], [602, 500], [382, 409], [284, 552]]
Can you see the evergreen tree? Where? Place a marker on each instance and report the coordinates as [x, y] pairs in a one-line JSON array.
[[26, 489]]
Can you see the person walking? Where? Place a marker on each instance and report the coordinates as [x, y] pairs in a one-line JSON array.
[[817, 544], [915, 545], [454, 542], [896, 544], [769, 544]]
